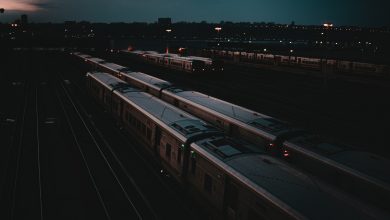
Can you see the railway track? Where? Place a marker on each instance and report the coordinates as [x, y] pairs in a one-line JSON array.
[[109, 181], [22, 188], [164, 193], [59, 166]]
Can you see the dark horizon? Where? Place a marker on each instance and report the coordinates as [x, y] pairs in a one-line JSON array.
[[345, 13]]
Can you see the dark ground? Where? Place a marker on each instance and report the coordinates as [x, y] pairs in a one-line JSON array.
[[45, 174]]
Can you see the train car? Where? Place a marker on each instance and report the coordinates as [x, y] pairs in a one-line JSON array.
[[237, 182], [266, 132], [361, 173], [153, 86], [162, 128], [255, 127], [311, 63], [364, 68], [95, 62], [113, 68], [307, 62], [81, 56], [177, 62], [245, 185], [211, 65]]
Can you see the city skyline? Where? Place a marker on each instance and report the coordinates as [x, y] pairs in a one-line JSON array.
[[347, 12]]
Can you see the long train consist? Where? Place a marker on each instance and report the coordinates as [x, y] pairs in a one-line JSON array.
[[236, 179], [191, 64], [320, 64], [363, 174]]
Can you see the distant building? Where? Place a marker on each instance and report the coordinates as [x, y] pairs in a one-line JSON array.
[[24, 20], [166, 22]]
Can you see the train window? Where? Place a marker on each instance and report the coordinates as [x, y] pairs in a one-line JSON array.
[[143, 129], [138, 124], [179, 152], [148, 133], [193, 165], [130, 118], [231, 196], [168, 148], [208, 183]]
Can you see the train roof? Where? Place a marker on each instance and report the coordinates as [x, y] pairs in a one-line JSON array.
[[206, 59], [298, 194], [96, 60], [114, 66], [154, 54], [168, 115], [112, 82], [150, 80], [81, 55], [257, 121], [224, 147], [367, 164]]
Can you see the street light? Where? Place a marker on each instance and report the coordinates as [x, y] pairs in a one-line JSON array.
[[167, 49], [218, 29]]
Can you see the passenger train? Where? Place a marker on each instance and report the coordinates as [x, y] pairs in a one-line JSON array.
[[319, 64], [237, 180], [191, 64], [361, 173]]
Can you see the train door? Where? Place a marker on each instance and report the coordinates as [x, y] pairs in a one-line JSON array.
[[157, 140], [230, 203], [121, 110]]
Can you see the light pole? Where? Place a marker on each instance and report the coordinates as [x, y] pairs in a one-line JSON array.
[[289, 57], [218, 29], [168, 31]]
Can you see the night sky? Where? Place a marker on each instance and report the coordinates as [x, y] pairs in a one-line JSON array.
[[340, 12]]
